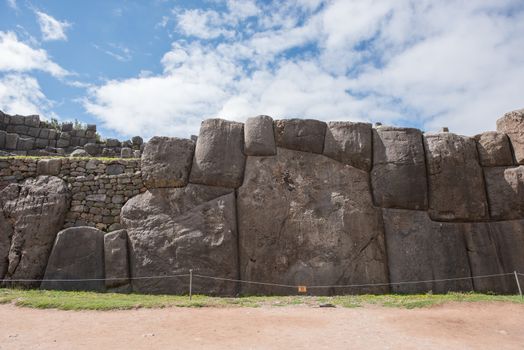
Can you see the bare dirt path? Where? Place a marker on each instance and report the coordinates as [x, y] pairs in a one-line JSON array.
[[451, 326]]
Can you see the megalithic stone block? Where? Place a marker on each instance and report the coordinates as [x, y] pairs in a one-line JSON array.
[[306, 135], [259, 136], [166, 162], [456, 183], [398, 177], [494, 149], [78, 255], [349, 143], [115, 259], [219, 154], [512, 123]]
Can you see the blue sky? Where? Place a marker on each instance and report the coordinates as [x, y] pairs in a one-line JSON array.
[[160, 67]]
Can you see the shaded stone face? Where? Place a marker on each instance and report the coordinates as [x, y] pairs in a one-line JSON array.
[[421, 250], [115, 259], [259, 137], [349, 143], [36, 210], [166, 162], [307, 219], [494, 149], [512, 123], [173, 230], [505, 189], [78, 253], [219, 158], [398, 177], [305, 135], [456, 184]]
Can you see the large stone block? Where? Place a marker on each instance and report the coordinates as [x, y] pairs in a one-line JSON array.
[[259, 136], [305, 219], [115, 258], [32, 121], [512, 123], [3, 136], [456, 183], [36, 210], [219, 159], [305, 135], [49, 166], [486, 257], [6, 233], [11, 141], [505, 189], [17, 119], [494, 149], [166, 162], [398, 177], [419, 249], [78, 254], [172, 230], [25, 144], [349, 143]]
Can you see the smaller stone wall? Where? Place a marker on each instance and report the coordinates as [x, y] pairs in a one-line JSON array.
[[99, 188]]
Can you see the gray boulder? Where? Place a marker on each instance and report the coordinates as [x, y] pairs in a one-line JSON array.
[[166, 162], [505, 189], [112, 143], [419, 249], [494, 149], [259, 137], [78, 254], [6, 233], [25, 144], [512, 123], [305, 135], [173, 230], [349, 143], [398, 177], [219, 159], [3, 136], [456, 183], [137, 140], [305, 219], [79, 153], [115, 258], [36, 210], [92, 148]]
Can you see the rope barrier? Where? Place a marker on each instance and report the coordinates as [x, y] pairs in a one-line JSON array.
[[262, 283]]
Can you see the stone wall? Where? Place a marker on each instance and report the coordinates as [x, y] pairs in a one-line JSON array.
[[28, 135], [290, 202]]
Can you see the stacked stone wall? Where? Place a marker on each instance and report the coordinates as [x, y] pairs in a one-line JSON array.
[[294, 202]]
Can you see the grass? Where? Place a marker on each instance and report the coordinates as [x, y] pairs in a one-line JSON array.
[[110, 301]]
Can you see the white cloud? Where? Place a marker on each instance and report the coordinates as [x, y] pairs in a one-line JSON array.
[[12, 4], [117, 51], [17, 56], [21, 94], [452, 63], [51, 28]]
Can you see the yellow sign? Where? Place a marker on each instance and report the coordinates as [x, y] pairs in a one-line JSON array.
[[302, 289]]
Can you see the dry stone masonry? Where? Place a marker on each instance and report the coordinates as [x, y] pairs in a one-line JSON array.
[[341, 207]]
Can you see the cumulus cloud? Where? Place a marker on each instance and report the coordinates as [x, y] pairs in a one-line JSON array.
[[51, 28], [21, 94], [421, 63], [17, 56]]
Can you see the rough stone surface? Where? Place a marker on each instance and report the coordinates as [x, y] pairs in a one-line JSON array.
[[456, 184], [512, 123], [6, 232], [126, 152], [36, 210], [3, 136], [49, 166], [398, 177], [78, 253], [115, 259], [305, 135], [173, 230], [219, 159], [349, 143], [505, 189], [79, 153], [419, 249], [259, 136], [494, 149], [305, 219], [11, 141], [166, 162]]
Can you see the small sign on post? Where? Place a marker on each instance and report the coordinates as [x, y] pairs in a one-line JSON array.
[[302, 289]]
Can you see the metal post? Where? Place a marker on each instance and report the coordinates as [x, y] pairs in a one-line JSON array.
[[518, 283], [191, 283]]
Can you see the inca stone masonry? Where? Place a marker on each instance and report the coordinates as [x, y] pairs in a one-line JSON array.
[[292, 202]]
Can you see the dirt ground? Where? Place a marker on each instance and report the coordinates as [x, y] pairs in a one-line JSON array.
[[449, 326]]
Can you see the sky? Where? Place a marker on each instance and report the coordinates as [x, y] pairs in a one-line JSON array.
[[160, 67]]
